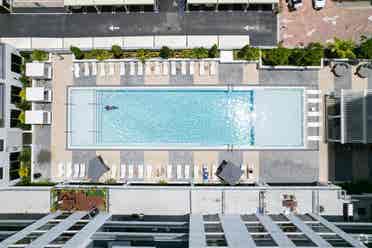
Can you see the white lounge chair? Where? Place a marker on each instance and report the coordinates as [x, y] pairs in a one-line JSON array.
[[111, 69], [165, 68], [113, 171], [196, 172], [313, 138], [313, 92], [86, 69], [169, 171], [201, 68], [213, 172], [157, 68], [38, 94], [122, 171], [140, 171], [76, 70], [149, 171], [183, 67], [102, 69], [173, 68], [68, 170], [122, 68], [192, 67], [82, 170], [313, 114], [76, 172], [132, 68], [148, 68], [94, 68], [61, 170], [139, 68], [187, 171], [313, 124], [179, 171], [130, 171], [212, 66], [38, 117], [313, 100]]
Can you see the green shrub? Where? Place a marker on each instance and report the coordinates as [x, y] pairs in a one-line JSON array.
[[200, 53], [276, 56], [117, 51], [99, 54], [23, 105], [22, 118], [365, 49], [165, 52], [25, 156], [26, 82], [314, 54], [186, 53], [342, 49], [213, 52], [39, 55], [77, 52], [249, 53], [142, 54]]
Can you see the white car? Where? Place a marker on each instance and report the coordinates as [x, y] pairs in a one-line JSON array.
[[319, 4]]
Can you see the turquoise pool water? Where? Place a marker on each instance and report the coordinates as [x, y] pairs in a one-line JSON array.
[[208, 117]]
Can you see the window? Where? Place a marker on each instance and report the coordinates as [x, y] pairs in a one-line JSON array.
[[1, 173], [1, 145], [14, 94], [14, 165], [14, 118], [16, 63]]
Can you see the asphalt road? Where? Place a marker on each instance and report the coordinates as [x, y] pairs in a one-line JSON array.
[[260, 26]]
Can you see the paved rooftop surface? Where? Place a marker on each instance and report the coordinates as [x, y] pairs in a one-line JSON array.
[[262, 26], [308, 25]]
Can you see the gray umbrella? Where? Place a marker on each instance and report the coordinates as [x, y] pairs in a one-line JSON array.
[[97, 168], [229, 172]]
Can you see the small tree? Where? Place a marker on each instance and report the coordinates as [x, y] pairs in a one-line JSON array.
[[22, 118], [117, 51], [39, 55], [165, 52], [249, 53], [343, 49], [77, 52], [276, 56], [213, 52], [365, 48]]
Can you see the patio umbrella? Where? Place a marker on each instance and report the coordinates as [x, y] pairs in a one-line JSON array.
[[340, 69], [96, 168], [229, 172]]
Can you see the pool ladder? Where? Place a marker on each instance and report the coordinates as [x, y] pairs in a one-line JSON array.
[[230, 147], [230, 87]]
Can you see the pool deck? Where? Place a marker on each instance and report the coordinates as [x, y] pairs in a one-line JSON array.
[[307, 165]]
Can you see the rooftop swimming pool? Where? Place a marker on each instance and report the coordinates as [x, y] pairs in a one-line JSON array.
[[185, 118]]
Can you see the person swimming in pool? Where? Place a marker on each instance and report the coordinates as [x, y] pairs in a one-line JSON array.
[[110, 107]]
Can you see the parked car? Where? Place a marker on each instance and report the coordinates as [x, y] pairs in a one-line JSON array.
[[319, 4], [294, 4]]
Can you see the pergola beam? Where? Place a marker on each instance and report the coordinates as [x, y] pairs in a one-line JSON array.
[[196, 231], [27, 230], [237, 235]]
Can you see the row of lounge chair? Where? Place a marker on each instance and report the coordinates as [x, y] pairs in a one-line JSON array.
[[136, 68], [70, 171], [313, 100]]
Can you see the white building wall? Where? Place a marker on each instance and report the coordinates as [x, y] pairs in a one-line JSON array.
[[25, 200]]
